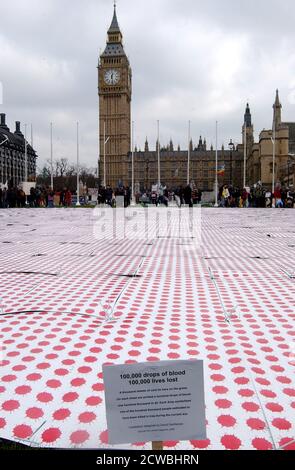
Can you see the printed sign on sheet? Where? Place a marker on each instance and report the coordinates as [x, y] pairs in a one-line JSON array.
[[155, 401]]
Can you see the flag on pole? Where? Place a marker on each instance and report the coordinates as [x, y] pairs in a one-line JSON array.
[[221, 170]]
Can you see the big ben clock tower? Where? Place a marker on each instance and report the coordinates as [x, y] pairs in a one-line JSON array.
[[114, 89]]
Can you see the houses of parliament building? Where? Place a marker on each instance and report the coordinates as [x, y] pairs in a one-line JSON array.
[[115, 93]]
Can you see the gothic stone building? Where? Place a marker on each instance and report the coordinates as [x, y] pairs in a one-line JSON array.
[[260, 154], [114, 89], [174, 167], [12, 155]]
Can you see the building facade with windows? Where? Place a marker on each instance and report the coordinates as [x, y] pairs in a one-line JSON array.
[[115, 163], [260, 154], [13, 156]]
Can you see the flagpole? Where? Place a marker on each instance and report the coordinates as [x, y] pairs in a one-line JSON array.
[[216, 167], [132, 182], [51, 157], [78, 169]]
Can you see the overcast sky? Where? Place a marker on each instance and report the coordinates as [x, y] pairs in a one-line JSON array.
[[191, 60]]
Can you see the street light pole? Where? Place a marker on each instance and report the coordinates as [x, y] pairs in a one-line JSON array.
[[231, 148], [216, 167], [159, 166], [132, 169], [26, 155], [189, 152], [290, 155], [245, 155], [78, 169], [105, 141]]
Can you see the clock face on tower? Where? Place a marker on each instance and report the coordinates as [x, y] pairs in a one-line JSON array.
[[112, 77]]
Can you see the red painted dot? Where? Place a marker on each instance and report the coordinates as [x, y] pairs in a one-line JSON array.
[[217, 377], [8, 378], [10, 405], [34, 377], [78, 437], [61, 372], [23, 390], [93, 401], [231, 442], [34, 413], [201, 444], [173, 355], [268, 393], [256, 424], [69, 397], [61, 414], [227, 421], [224, 404], [78, 382], [51, 435], [245, 392], [241, 380], [220, 390], [170, 443], [261, 444], [2, 423], [22, 431], [289, 391], [98, 387], [284, 380], [87, 417], [281, 424], [84, 370], [250, 406], [284, 443], [274, 407], [53, 383], [104, 437], [44, 397], [134, 353]]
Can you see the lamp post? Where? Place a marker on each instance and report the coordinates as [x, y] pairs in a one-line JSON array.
[[231, 148], [189, 153], [216, 167], [132, 168], [159, 165], [147, 163], [290, 156], [78, 169], [105, 141], [26, 155], [245, 156], [273, 139]]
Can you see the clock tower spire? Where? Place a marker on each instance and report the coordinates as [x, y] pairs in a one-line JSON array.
[[114, 90]]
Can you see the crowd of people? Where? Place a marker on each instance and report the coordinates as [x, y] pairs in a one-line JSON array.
[[257, 196], [39, 196], [107, 195]]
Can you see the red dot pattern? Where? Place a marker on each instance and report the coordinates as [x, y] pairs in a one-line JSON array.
[[53, 354]]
